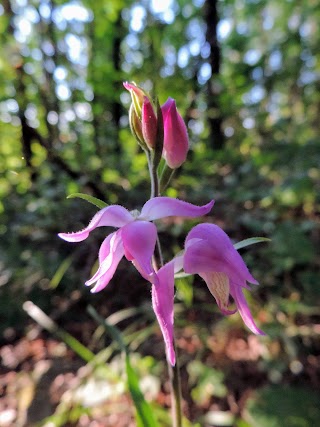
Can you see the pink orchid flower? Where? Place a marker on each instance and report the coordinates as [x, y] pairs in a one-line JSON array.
[[176, 141], [210, 253], [136, 237]]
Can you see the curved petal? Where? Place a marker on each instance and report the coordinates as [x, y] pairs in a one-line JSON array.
[[104, 252], [113, 216], [139, 241], [113, 249], [244, 310], [162, 303], [209, 248], [162, 207], [200, 259]]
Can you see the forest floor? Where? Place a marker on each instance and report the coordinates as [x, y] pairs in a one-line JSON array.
[[38, 372]]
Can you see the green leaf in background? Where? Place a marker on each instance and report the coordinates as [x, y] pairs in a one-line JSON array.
[[207, 382], [93, 200], [251, 241], [45, 322], [144, 413], [58, 275], [284, 406], [185, 289]]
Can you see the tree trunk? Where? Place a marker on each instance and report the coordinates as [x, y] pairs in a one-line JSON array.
[[214, 118]]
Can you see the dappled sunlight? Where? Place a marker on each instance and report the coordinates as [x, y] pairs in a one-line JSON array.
[[238, 90]]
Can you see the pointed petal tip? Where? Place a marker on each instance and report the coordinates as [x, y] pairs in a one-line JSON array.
[[211, 203], [172, 359], [73, 237], [260, 332], [249, 322]]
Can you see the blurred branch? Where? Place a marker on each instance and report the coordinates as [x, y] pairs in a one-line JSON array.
[[116, 60]]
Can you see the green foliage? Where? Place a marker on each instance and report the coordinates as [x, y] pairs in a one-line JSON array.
[[206, 382], [281, 406]]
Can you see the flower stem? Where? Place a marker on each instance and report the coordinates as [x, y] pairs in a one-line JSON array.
[[174, 372], [175, 383], [154, 180]]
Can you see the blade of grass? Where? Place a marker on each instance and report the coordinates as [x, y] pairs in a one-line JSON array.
[[144, 414], [58, 275], [45, 322]]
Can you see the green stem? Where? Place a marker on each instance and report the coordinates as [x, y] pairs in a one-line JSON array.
[[159, 252], [175, 383], [174, 372], [154, 180]]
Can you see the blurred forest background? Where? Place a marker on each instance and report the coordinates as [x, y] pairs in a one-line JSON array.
[[246, 78]]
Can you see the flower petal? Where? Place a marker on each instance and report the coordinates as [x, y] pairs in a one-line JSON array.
[[113, 216], [218, 285], [176, 141], [149, 123], [237, 294], [104, 252], [162, 303], [112, 247], [208, 248], [178, 263], [200, 259], [139, 241], [162, 207]]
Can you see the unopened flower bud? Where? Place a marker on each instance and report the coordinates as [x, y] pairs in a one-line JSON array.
[[176, 142], [149, 123], [137, 95], [135, 126]]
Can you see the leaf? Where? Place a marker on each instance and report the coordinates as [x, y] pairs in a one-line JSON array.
[[58, 275], [45, 322], [144, 413], [251, 241], [93, 200]]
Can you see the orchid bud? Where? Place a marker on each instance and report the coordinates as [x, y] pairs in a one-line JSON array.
[[137, 96], [176, 142], [149, 123], [135, 126], [144, 122]]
